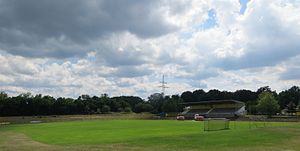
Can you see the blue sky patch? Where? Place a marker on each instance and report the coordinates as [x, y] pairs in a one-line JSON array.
[[243, 6]]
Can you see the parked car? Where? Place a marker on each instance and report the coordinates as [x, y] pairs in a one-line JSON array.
[[197, 117], [180, 117]]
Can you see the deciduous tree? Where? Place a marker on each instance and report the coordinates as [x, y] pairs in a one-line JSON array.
[[267, 104]]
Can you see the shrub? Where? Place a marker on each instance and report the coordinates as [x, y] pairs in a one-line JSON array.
[[105, 109], [127, 109], [142, 107]]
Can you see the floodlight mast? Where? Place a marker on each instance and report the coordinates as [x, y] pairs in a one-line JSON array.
[[163, 85]]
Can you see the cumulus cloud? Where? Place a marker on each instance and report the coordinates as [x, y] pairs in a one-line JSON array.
[[290, 69], [74, 47], [65, 28], [291, 74], [130, 71], [271, 33]]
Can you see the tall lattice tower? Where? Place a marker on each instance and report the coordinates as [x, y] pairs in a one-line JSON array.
[[163, 85]]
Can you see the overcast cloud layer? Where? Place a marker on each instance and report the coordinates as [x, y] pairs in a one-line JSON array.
[[73, 47]]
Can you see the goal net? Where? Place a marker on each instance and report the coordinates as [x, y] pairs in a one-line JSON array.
[[215, 124]]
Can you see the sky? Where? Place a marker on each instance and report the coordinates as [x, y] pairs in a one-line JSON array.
[[73, 47]]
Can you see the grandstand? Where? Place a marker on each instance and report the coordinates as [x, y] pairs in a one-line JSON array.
[[214, 109]]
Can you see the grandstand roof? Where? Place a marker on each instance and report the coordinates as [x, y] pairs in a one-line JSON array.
[[213, 102]]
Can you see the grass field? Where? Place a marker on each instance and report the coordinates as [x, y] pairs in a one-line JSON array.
[[63, 118], [147, 135]]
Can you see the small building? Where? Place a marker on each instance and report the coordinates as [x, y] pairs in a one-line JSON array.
[[298, 112], [290, 109], [214, 109]]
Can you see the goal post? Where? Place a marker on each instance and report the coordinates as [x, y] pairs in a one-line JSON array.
[[215, 124]]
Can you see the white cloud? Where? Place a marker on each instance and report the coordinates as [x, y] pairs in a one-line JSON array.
[[130, 52]]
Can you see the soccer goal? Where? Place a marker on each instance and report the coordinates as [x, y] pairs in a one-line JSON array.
[[215, 124]]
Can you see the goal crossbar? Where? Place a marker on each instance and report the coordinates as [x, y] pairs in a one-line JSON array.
[[215, 124]]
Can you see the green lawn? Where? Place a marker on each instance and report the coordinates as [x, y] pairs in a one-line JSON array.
[[147, 135]]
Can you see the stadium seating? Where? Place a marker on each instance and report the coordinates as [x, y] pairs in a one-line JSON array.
[[190, 113], [214, 109], [222, 110], [212, 113], [221, 113], [199, 111]]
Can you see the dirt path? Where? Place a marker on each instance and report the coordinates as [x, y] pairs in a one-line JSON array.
[[15, 141], [19, 142]]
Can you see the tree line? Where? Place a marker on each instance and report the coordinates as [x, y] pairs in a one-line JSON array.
[[287, 99], [27, 104]]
